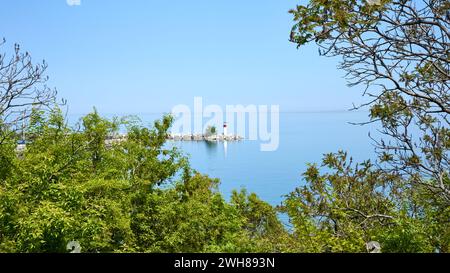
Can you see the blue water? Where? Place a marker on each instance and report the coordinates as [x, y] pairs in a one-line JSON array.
[[304, 138]]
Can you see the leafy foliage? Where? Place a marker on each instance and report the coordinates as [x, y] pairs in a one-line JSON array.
[[398, 52], [135, 193], [115, 194], [352, 204]]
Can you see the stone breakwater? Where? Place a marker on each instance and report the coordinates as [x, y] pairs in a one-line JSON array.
[[116, 139], [199, 137]]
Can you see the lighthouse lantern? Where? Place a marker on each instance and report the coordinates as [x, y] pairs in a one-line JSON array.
[[225, 129]]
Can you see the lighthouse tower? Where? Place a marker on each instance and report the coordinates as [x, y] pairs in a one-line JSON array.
[[225, 129]]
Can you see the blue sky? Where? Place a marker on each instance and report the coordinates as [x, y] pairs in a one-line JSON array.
[[144, 56]]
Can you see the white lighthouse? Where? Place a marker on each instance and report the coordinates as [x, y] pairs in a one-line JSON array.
[[225, 129]]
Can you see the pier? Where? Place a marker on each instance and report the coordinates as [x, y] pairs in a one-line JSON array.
[[116, 139], [210, 135], [200, 137]]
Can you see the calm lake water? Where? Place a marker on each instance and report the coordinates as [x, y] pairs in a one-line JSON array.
[[304, 138]]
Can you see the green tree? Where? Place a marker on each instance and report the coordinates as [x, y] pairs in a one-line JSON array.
[[398, 52], [111, 194], [210, 131], [352, 204]]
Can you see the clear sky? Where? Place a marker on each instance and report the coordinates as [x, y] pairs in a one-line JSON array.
[[145, 56]]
